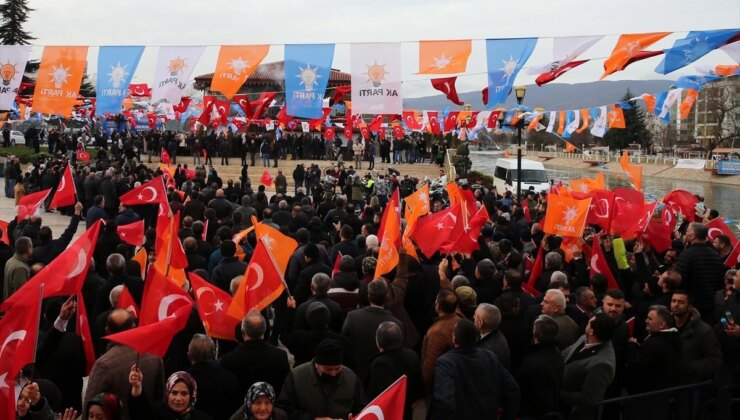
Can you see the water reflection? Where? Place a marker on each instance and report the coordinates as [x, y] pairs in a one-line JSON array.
[[724, 198]]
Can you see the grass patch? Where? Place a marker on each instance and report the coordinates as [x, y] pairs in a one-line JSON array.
[[25, 154]]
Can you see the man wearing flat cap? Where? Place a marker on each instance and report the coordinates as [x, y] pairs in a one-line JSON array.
[[328, 389]]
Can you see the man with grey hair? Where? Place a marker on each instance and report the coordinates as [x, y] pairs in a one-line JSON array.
[[17, 271], [553, 304], [541, 372], [487, 319], [394, 361], [255, 360], [218, 393], [320, 285], [553, 261], [115, 264]]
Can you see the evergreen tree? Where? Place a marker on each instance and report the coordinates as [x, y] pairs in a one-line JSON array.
[[636, 127], [14, 15]]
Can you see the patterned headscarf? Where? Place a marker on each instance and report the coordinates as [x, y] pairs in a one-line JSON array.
[[185, 377], [258, 389]]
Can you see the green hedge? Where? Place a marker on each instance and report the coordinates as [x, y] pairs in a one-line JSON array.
[[477, 177], [25, 154]]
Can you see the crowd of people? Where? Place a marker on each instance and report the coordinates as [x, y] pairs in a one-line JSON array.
[[474, 337]]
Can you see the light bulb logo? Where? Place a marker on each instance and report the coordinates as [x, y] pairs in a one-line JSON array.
[[176, 66], [239, 65], [308, 76], [59, 75], [7, 72], [376, 74], [117, 74]]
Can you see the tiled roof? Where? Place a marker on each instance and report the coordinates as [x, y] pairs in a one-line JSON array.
[[275, 73]]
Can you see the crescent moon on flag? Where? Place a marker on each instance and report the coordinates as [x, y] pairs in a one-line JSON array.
[[712, 235], [594, 260], [374, 410], [18, 335], [138, 90], [62, 182], [260, 276], [199, 293], [606, 205], [154, 194], [165, 303], [79, 265]]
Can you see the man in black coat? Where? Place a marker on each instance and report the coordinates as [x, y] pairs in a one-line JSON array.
[[541, 372], [320, 284], [218, 388], [47, 249], [347, 245], [393, 362], [228, 268], [255, 360], [302, 288], [302, 343], [116, 266]]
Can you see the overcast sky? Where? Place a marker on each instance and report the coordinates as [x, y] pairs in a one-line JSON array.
[[214, 22]]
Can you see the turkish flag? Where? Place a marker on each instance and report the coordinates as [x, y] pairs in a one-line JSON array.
[[718, 227], [446, 85], [65, 274], [266, 178], [212, 305], [565, 215], [375, 123], [398, 133], [223, 108], [468, 241], [262, 284], [18, 334], [285, 119], [183, 105], [83, 156], [600, 211], [165, 157], [628, 207], [83, 330], [29, 203], [410, 118], [246, 106], [152, 119], [339, 93], [733, 260], [317, 123], [152, 192], [154, 338], [433, 117], [132, 233], [365, 132], [391, 237], [329, 133], [66, 192], [280, 246], [389, 404], [658, 236], [348, 132], [599, 265], [127, 302], [261, 104], [140, 90], [552, 75], [208, 102], [335, 269], [434, 230], [161, 297], [451, 120], [639, 226]]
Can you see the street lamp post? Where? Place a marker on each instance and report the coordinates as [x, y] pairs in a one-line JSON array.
[[519, 91]]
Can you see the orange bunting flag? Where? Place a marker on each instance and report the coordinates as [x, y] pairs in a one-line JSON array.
[[688, 102], [565, 215], [616, 117], [569, 147], [444, 57], [58, 80], [634, 171], [235, 64], [454, 193], [388, 255], [534, 123], [584, 121], [561, 122], [628, 48]]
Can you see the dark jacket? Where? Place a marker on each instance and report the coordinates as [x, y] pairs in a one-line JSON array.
[[337, 317], [254, 361], [61, 359], [218, 389], [540, 378], [702, 272], [469, 383], [360, 327], [226, 270], [700, 352], [586, 375], [496, 342], [302, 343], [46, 253], [302, 289], [654, 364], [388, 367]]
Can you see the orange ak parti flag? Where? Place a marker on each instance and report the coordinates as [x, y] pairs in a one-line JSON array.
[[444, 57], [281, 246], [565, 215], [417, 204], [235, 64], [59, 78], [616, 117], [627, 47], [634, 171], [388, 254]]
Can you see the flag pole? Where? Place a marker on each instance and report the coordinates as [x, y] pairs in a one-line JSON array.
[[36, 341]]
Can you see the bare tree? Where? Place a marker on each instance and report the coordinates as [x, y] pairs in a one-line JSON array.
[[723, 112]]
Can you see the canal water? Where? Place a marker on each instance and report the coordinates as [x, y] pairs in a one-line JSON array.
[[724, 198]]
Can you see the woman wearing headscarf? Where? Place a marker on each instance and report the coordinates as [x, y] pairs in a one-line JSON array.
[[178, 403], [259, 404], [104, 406]]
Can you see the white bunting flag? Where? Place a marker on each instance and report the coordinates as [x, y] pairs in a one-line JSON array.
[[599, 127], [13, 59], [376, 78], [551, 122], [565, 50], [674, 95], [175, 66], [573, 126]]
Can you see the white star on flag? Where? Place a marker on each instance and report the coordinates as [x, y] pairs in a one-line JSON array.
[[219, 306]]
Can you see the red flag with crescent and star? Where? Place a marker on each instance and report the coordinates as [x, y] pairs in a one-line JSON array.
[[83, 330], [434, 230], [132, 233], [446, 85], [161, 297], [262, 284], [411, 119], [140, 90], [398, 132], [718, 227], [329, 133], [733, 260], [127, 302], [164, 157], [388, 405], [212, 305], [83, 156], [266, 178], [243, 101], [29, 203], [433, 118], [152, 192], [599, 265], [66, 191], [154, 338], [451, 120]]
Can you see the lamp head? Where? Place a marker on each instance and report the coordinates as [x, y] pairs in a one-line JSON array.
[[520, 91]]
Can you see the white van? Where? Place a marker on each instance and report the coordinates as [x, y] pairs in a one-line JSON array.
[[533, 175]]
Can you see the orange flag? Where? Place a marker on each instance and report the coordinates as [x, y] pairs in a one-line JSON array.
[[616, 117], [561, 122], [628, 46], [388, 255], [281, 247], [444, 57], [570, 246], [634, 171], [141, 257], [454, 193], [584, 121], [688, 102], [238, 238], [649, 102], [59, 78], [534, 123], [235, 64], [569, 147], [417, 204], [565, 215]]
